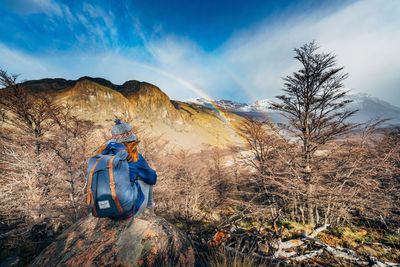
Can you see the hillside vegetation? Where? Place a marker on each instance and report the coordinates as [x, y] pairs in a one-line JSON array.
[[326, 196]]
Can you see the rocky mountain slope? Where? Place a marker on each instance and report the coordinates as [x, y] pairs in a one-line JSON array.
[[186, 125]]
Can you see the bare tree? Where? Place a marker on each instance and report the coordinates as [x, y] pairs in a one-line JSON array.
[[184, 187], [261, 138], [69, 143], [271, 179], [314, 105], [42, 161], [24, 111], [353, 179], [26, 120]]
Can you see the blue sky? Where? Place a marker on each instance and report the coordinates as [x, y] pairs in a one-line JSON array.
[[237, 50]]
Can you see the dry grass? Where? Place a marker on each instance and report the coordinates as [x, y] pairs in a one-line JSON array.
[[229, 259]]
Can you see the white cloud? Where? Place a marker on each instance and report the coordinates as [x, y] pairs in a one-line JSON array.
[[365, 36], [20, 63], [115, 66], [34, 6], [106, 28]]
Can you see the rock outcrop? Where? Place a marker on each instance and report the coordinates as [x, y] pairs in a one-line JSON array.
[[149, 101], [101, 102], [144, 241]]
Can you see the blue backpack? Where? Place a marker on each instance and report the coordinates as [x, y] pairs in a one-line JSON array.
[[109, 190]]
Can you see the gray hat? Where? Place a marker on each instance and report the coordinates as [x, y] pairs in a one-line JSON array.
[[122, 132]]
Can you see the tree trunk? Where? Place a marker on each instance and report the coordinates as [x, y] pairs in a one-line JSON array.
[[310, 204]]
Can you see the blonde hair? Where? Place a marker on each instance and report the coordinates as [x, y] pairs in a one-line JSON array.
[[132, 149]]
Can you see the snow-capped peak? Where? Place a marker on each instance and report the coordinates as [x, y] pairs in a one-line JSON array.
[[259, 105]]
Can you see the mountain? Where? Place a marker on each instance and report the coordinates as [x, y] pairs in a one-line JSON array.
[[186, 125], [94, 101], [133, 98], [223, 103], [369, 108]]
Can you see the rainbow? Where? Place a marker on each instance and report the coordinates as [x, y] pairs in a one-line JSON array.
[[191, 86], [239, 83], [194, 88]]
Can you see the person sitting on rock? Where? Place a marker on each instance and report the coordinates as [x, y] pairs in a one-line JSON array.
[[140, 173]]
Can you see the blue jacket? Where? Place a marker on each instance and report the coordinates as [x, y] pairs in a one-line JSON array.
[[137, 170]]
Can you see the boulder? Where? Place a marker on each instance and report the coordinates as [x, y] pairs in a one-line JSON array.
[[147, 240]]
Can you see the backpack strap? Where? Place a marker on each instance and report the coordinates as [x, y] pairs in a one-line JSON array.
[[112, 185], [90, 197]]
